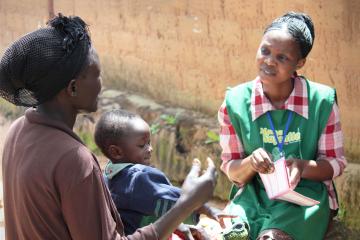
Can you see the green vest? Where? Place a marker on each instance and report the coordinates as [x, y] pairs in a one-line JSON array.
[[301, 142]]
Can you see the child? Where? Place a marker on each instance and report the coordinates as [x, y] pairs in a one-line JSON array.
[[141, 193], [281, 114]]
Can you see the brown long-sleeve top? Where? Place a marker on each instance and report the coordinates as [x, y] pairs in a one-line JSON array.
[[53, 186]]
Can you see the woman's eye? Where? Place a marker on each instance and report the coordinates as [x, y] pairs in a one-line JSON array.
[[264, 51], [282, 58]]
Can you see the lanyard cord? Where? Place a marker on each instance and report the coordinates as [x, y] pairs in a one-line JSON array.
[[280, 145]]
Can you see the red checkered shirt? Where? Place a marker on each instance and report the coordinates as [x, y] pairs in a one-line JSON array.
[[330, 145]]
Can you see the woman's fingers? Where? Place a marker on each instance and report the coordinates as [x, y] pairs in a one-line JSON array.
[[211, 169], [195, 169], [261, 161], [269, 165], [221, 217], [295, 175]]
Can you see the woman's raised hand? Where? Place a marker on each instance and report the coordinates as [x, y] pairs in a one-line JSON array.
[[198, 189]]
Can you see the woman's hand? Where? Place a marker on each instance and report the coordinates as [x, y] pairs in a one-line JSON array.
[[215, 214], [191, 232], [196, 190], [295, 170], [261, 161]]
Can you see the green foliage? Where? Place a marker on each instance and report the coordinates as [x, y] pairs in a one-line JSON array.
[[155, 128], [88, 140], [165, 120], [342, 212], [212, 137], [169, 119]]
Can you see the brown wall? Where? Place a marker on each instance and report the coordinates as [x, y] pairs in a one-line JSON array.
[[186, 52]]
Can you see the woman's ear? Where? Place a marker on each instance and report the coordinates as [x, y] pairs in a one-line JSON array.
[[115, 152], [71, 88], [300, 63]]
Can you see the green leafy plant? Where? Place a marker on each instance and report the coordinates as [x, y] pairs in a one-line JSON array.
[[169, 119], [155, 128], [212, 137], [165, 119]]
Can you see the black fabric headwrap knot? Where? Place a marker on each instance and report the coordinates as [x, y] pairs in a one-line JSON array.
[[38, 65], [72, 31]]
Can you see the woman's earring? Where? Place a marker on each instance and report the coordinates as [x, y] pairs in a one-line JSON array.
[[73, 91]]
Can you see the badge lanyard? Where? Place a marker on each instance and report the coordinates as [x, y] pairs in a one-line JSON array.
[[280, 145]]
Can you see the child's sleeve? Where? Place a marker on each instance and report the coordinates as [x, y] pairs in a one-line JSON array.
[[154, 190], [155, 195]]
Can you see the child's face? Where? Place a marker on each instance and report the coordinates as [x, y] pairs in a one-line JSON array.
[[278, 57], [136, 147]]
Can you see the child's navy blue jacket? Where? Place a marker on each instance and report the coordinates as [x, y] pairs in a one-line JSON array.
[[141, 194]]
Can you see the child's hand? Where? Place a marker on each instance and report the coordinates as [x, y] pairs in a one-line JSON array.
[[196, 189], [191, 232], [261, 161], [215, 214], [295, 169]]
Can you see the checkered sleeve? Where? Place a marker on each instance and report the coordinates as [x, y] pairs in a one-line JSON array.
[[232, 148], [330, 148], [330, 145]]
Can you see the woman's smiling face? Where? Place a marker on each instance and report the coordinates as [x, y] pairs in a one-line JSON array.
[[278, 57]]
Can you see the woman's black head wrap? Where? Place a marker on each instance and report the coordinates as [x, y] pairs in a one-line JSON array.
[[299, 26], [41, 63]]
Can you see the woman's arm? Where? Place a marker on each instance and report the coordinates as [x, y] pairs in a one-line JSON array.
[[235, 165], [232, 150], [330, 161], [196, 190]]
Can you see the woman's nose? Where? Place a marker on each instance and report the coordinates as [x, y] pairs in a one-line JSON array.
[[269, 60]]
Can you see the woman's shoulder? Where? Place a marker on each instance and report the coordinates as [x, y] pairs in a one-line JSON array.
[[76, 162], [316, 85], [318, 90], [240, 93]]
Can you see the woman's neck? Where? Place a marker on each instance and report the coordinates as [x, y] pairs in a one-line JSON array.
[[278, 94], [56, 111]]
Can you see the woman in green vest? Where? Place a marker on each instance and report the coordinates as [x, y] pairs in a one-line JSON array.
[[282, 115]]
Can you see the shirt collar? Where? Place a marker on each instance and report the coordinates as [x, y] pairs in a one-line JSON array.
[[112, 169], [35, 117], [297, 101]]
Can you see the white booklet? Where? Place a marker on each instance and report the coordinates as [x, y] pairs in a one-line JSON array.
[[278, 187]]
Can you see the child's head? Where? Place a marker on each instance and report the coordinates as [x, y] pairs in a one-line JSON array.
[[124, 137], [284, 47]]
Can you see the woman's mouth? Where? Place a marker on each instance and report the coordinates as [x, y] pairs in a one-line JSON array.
[[269, 72]]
